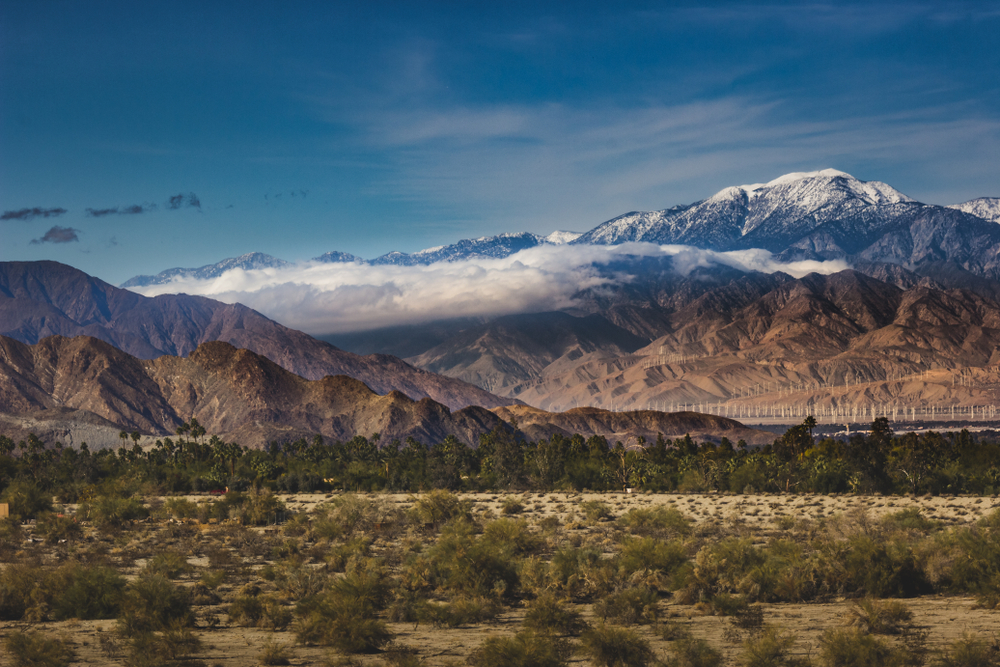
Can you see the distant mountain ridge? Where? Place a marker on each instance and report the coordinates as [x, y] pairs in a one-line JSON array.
[[825, 214], [41, 299], [486, 247], [817, 215], [249, 262]]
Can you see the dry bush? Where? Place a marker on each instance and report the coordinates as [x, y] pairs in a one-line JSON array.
[[511, 505], [651, 560], [658, 521], [249, 609], [436, 507], [512, 536], [970, 651], [525, 649], [850, 647], [770, 648], [273, 653], [878, 617], [615, 646], [629, 606], [548, 614], [152, 603], [595, 510], [33, 649]]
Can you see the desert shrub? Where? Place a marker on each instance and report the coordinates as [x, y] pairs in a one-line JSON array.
[[769, 648], [976, 565], [909, 519], [439, 506], [629, 606], [21, 587], [153, 603], [569, 569], [721, 568], [258, 507], [525, 649], [339, 555], [878, 617], [614, 646], [180, 508], [651, 557], [33, 649], [511, 505], [658, 521], [691, 652], [852, 647], [344, 617], [55, 528], [464, 564], [595, 510], [512, 537], [875, 567], [259, 611], [86, 592], [296, 581], [26, 500], [349, 514], [461, 611], [110, 512], [158, 649], [273, 653], [547, 614], [970, 651], [169, 564]]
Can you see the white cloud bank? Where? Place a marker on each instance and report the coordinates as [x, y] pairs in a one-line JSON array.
[[335, 298]]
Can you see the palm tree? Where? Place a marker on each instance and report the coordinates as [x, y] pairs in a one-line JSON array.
[[810, 423]]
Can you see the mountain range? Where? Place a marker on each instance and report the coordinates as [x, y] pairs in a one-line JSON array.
[[41, 299], [825, 214], [245, 397]]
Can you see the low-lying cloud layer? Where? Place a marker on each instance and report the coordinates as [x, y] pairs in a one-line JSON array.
[[343, 297]]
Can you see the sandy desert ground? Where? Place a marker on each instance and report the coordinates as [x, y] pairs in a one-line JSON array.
[[942, 618]]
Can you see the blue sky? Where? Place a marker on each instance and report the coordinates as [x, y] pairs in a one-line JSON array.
[[177, 134]]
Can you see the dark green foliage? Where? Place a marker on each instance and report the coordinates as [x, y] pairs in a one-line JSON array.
[[657, 521], [690, 652], [770, 648], [970, 651], [547, 614], [629, 606], [525, 649], [852, 647], [33, 649], [26, 499], [615, 646], [345, 617], [152, 603], [110, 513], [88, 592]]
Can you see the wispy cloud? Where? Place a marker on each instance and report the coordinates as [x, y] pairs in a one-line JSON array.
[[326, 298], [32, 213], [58, 234], [135, 209], [189, 200]]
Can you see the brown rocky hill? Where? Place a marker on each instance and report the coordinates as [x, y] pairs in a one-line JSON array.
[[40, 299], [623, 426], [720, 338], [72, 389], [232, 392]]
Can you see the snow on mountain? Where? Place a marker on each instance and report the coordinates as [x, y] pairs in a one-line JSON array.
[[560, 237], [336, 257], [248, 262], [495, 247], [987, 208], [770, 215]]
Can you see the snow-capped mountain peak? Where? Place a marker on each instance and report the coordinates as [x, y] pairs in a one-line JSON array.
[[987, 208], [560, 237]]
